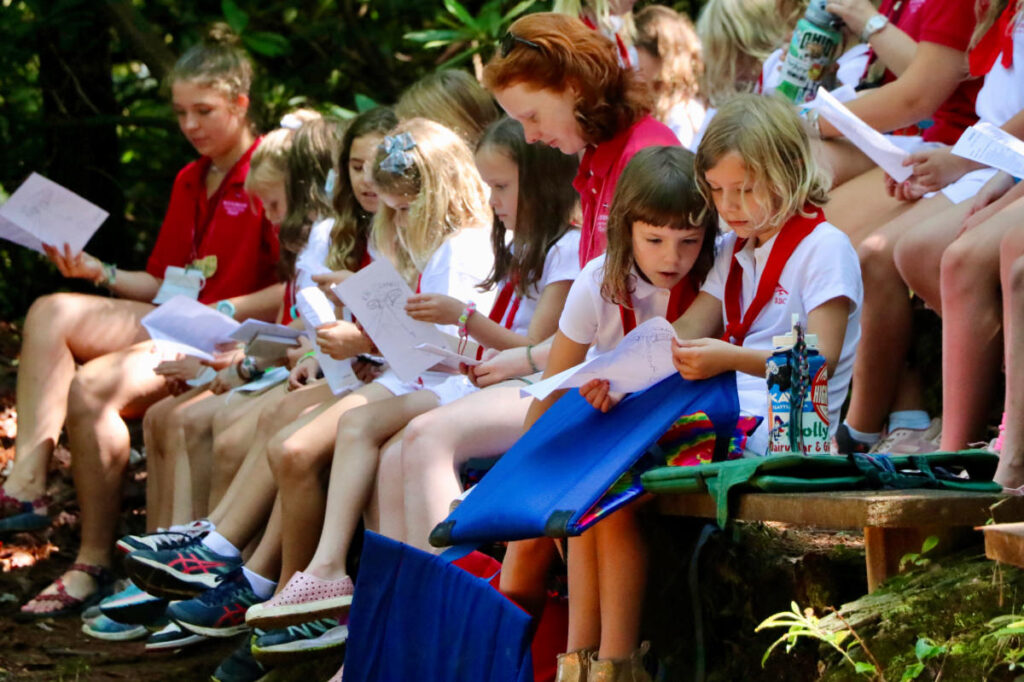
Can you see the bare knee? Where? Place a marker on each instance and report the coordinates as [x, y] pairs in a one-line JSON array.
[[354, 427], [289, 461], [48, 316], [87, 398], [420, 444], [962, 269], [876, 260]]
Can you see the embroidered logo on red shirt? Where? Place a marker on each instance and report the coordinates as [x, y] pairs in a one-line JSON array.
[[781, 295], [234, 208]]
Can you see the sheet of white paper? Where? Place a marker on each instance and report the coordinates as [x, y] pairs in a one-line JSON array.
[[642, 359], [189, 327], [992, 146], [274, 375], [844, 93], [250, 328], [310, 264], [205, 376], [13, 233], [451, 358], [377, 295], [51, 214], [864, 137], [314, 310]]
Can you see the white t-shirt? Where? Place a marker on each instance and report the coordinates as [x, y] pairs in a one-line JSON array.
[[685, 119], [1002, 94], [317, 246], [456, 268], [823, 267], [590, 319], [561, 264]]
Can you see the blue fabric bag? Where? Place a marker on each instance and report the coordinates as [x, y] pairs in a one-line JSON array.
[[555, 480], [415, 616]]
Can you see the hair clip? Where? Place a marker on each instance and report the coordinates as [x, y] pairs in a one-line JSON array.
[[396, 147], [330, 181], [509, 40], [291, 122]]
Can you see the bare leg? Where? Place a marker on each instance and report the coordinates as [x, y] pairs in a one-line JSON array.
[[841, 160], [60, 329], [115, 384], [163, 460], [972, 340], [885, 322], [361, 433], [1010, 472], [621, 554], [524, 574], [266, 559], [481, 424], [584, 593], [298, 460], [861, 206]]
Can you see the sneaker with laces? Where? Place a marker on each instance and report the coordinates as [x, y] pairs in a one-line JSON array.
[[133, 606], [165, 538], [110, 630], [219, 612], [305, 641], [172, 637], [910, 441], [240, 666], [179, 573]]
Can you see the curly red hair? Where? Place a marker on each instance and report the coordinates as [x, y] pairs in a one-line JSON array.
[[571, 55]]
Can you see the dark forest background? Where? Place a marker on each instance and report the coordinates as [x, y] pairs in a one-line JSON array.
[[83, 101]]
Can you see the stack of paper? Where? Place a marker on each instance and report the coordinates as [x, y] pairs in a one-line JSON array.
[[315, 311], [189, 327]]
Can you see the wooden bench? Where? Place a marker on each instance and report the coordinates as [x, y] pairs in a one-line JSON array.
[[894, 522], [1004, 542]]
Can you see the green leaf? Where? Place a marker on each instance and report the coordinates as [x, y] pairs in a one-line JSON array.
[[442, 36], [461, 13], [930, 543], [364, 103], [912, 671], [267, 44], [925, 649], [236, 17], [518, 9], [864, 668]]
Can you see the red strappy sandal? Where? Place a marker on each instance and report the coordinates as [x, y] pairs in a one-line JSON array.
[[71, 605]]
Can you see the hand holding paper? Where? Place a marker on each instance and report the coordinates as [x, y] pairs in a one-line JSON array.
[[992, 146], [315, 311], [642, 359], [42, 212], [189, 327], [873, 143]]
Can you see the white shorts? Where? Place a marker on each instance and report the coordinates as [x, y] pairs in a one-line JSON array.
[[447, 387]]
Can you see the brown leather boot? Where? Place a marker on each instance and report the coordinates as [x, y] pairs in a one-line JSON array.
[[620, 670], [574, 666]]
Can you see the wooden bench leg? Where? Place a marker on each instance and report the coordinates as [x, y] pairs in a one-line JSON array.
[[884, 547]]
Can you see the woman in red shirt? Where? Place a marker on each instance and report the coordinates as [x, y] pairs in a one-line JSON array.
[[87, 359]]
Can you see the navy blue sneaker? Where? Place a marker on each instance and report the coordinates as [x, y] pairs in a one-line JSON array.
[[219, 612], [240, 666], [172, 637], [179, 573], [309, 640], [174, 537]]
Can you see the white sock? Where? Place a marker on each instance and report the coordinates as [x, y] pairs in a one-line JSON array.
[[220, 544], [263, 588], [863, 437], [909, 419]]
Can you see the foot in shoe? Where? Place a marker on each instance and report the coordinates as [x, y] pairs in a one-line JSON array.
[[70, 593], [178, 573], [172, 637], [219, 612], [305, 598], [906, 441], [174, 537], [134, 606], [299, 641]]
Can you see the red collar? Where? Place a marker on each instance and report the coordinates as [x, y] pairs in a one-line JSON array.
[[598, 160], [997, 40], [679, 299]]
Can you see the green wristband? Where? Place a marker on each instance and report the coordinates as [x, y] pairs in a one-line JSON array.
[[308, 354], [529, 358]]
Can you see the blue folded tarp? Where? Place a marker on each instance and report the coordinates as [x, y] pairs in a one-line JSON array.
[[556, 474]]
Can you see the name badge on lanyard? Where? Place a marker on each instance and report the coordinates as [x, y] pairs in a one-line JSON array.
[[180, 282]]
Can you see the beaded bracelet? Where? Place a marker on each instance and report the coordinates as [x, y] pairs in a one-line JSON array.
[[463, 325]]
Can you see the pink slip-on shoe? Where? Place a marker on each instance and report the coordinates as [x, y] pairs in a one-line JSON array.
[[305, 598]]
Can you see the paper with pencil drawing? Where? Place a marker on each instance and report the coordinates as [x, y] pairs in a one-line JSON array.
[[376, 295], [992, 146], [642, 359], [873, 143], [189, 327], [314, 311], [42, 212], [449, 357]]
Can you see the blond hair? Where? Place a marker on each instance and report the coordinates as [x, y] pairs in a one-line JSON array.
[[269, 162], [736, 37], [671, 37], [771, 140], [446, 189], [601, 11], [452, 98], [986, 12]]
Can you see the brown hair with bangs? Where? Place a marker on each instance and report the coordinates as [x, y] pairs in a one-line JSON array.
[[544, 206], [658, 187], [557, 52]]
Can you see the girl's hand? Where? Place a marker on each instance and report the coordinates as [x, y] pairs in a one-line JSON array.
[[180, 369], [908, 190], [78, 265], [434, 308], [366, 370], [702, 358], [598, 393], [328, 280], [854, 13], [295, 353], [341, 340], [303, 372], [990, 199], [226, 380], [497, 366], [936, 168]]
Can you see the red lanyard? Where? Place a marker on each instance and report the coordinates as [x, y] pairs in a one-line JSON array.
[[789, 237], [998, 39], [679, 299], [623, 50], [204, 218], [501, 304]]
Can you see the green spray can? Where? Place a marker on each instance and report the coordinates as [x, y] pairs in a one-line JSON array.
[[812, 53]]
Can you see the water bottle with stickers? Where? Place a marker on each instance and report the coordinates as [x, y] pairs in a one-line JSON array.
[[811, 55]]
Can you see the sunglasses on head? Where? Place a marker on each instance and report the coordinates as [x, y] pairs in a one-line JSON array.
[[509, 41]]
